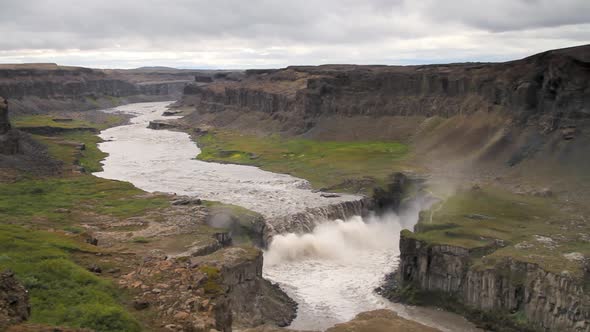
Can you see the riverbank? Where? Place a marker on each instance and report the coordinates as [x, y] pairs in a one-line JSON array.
[[353, 167]]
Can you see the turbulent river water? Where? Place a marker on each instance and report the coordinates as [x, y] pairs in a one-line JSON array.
[[330, 272]]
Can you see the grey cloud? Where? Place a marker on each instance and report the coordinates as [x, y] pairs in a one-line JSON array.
[[287, 31], [501, 15]]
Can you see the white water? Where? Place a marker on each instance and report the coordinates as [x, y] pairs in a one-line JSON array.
[[331, 272]]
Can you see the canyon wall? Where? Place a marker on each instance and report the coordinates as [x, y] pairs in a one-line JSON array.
[[551, 88], [39, 88], [548, 301], [253, 299]]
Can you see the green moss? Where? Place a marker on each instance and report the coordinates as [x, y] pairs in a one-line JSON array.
[[140, 239], [48, 121], [74, 229], [28, 200], [61, 292], [212, 285], [323, 163]]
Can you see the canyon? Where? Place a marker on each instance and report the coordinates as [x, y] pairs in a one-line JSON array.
[[47, 87], [520, 125]]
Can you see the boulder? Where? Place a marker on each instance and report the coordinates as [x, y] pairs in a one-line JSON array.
[[187, 201], [14, 301]]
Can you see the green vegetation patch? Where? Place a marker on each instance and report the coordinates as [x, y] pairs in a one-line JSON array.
[[60, 199], [61, 292], [212, 285], [323, 163], [58, 121], [524, 228], [64, 148], [48, 121]]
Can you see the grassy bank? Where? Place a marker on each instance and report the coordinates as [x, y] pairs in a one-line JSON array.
[[46, 220], [56, 202], [108, 120], [342, 166], [61, 292], [40, 218]]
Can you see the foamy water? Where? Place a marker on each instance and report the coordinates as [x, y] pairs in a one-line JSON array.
[[333, 271], [330, 272]]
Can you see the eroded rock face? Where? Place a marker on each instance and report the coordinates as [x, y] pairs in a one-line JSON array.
[[550, 87], [253, 300], [4, 123], [8, 137], [175, 291], [550, 302], [14, 301]]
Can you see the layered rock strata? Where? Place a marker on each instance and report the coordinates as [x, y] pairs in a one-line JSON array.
[[548, 301]]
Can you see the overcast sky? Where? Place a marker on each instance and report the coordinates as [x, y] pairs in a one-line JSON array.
[[277, 33]]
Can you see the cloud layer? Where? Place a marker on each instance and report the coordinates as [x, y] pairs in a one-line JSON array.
[[269, 33]]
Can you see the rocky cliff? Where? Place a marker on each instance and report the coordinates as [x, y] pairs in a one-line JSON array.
[[236, 273], [38, 88], [18, 151], [14, 301], [548, 301], [9, 142], [550, 87]]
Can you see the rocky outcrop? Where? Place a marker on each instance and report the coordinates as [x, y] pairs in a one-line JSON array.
[[9, 138], [305, 222], [20, 152], [380, 321], [161, 125], [14, 301], [203, 79], [390, 198], [253, 300], [180, 294], [548, 301]]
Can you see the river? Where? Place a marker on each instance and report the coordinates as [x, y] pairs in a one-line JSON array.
[[330, 272]]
